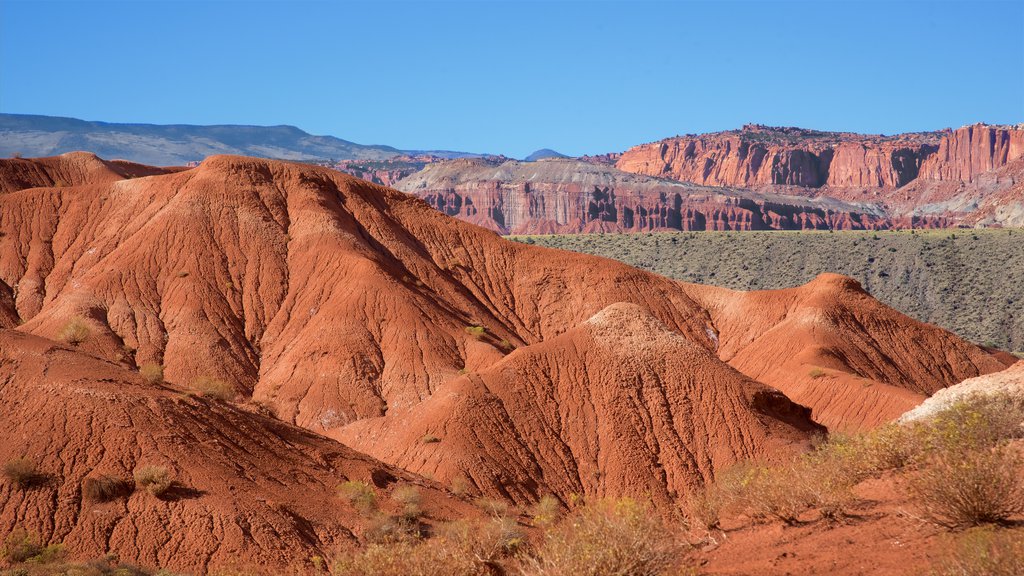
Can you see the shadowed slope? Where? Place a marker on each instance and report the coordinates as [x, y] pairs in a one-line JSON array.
[[617, 405], [830, 346], [248, 488]]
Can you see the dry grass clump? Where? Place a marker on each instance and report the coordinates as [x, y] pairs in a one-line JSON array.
[[459, 549], [476, 331], [75, 331], [153, 479], [410, 502], [152, 373], [360, 495], [214, 388], [985, 552], [546, 511], [607, 538], [22, 472], [970, 488], [105, 488]]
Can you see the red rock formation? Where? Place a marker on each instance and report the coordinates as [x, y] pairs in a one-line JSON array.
[[248, 489], [761, 156], [569, 196], [346, 308], [619, 404], [828, 345], [965, 153]]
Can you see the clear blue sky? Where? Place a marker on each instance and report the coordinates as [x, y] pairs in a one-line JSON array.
[[511, 77]]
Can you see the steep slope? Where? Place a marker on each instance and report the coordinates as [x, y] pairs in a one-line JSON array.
[[828, 345], [571, 196], [248, 488], [619, 404]]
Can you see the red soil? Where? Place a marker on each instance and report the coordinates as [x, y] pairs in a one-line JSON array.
[[361, 313]]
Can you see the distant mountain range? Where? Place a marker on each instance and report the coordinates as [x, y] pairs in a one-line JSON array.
[[175, 144]]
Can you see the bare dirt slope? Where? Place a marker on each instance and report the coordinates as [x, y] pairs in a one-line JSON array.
[[248, 488], [619, 404]]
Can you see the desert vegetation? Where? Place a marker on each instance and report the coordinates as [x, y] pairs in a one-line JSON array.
[[152, 373], [75, 331], [939, 276], [214, 388], [156, 480], [22, 473], [105, 488]]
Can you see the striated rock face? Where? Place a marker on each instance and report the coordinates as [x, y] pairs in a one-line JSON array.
[[969, 151], [763, 156], [570, 196]]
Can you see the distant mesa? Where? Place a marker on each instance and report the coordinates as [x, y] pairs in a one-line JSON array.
[[544, 153]]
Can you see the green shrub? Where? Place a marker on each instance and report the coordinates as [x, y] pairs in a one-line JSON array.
[[476, 331], [409, 500]]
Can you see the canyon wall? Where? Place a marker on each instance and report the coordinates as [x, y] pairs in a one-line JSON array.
[[569, 196], [763, 156]]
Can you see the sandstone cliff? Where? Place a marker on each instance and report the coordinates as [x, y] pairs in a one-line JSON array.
[[762, 156], [571, 196]]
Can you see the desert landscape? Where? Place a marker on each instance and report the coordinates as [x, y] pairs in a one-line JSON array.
[[239, 348]]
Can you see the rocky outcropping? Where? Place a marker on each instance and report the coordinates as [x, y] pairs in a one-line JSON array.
[[571, 196], [763, 156], [967, 152]]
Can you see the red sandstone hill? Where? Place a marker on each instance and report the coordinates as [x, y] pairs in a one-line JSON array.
[[361, 313], [249, 488]]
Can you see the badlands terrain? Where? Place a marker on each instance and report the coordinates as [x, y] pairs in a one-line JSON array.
[[968, 281], [258, 366]]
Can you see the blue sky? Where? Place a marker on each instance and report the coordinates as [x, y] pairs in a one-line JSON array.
[[511, 77]]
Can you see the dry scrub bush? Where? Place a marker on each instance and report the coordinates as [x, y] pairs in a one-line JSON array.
[[970, 487], [104, 488], [75, 331], [546, 511], [409, 500], [459, 549], [22, 472], [152, 373], [360, 495], [153, 479], [704, 507], [493, 507], [21, 546], [986, 552], [620, 538], [214, 388], [975, 422]]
